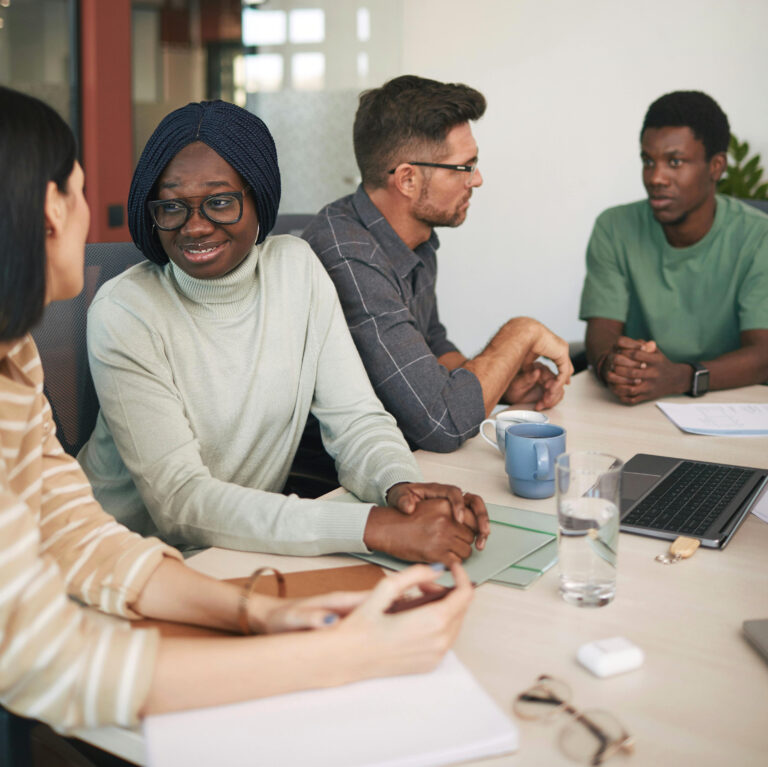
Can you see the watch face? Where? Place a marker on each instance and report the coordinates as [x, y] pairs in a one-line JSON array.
[[700, 382]]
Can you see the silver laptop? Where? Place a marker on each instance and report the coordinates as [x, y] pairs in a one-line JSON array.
[[666, 497]]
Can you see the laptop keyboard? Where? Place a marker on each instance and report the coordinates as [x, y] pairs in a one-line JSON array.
[[689, 499]]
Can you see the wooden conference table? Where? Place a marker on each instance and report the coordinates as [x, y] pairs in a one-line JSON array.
[[701, 698]]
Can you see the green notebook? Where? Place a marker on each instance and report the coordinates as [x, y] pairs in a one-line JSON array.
[[515, 535], [526, 571]]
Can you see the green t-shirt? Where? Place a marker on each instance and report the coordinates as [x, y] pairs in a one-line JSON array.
[[692, 301]]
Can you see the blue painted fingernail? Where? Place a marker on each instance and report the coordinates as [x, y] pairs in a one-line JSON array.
[[330, 618], [438, 567]]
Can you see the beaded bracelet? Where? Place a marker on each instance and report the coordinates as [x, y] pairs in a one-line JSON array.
[[245, 595]]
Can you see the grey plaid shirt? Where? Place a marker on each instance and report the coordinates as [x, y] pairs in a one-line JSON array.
[[387, 291]]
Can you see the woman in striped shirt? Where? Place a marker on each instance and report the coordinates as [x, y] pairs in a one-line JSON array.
[[68, 665]]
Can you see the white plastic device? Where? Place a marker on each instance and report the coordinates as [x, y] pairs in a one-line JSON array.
[[606, 657]]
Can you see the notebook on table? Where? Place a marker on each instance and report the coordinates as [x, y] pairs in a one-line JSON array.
[[526, 571], [666, 497], [418, 720]]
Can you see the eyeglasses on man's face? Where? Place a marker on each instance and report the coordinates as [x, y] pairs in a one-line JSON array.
[[471, 169], [219, 208], [590, 737]]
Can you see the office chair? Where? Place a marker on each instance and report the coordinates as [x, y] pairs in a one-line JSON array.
[[14, 739], [291, 223], [759, 204], [578, 354], [60, 339]]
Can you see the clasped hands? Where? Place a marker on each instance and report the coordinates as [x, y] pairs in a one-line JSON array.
[[636, 371], [428, 522], [424, 522], [535, 384]]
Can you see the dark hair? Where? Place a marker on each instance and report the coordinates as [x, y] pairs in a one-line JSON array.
[[694, 110], [405, 115], [238, 136], [36, 146]]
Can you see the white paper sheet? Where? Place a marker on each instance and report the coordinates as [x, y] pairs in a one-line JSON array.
[[760, 508], [733, 420], [420, 720]]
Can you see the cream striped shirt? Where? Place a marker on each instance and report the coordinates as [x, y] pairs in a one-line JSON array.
[[59, 662]]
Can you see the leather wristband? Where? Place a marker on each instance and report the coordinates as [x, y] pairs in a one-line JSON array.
[[242, 604]]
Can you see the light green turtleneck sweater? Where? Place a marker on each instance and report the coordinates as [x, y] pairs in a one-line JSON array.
[[205, 387]]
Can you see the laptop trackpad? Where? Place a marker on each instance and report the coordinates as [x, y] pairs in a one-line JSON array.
[[634, 485]]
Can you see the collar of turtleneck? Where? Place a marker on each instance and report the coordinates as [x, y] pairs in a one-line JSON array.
[[224, 297]]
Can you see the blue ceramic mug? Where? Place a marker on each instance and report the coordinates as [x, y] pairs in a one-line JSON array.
[[531, 452]]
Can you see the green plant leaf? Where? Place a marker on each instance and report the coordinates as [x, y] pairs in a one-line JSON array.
[[741, 178], [741, 151], [749, 168]]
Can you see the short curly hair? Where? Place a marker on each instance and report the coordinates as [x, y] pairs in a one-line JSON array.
[[405, 115], [235, 134], [694, 110]]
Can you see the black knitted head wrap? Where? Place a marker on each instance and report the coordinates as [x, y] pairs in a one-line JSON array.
[[235, 134]]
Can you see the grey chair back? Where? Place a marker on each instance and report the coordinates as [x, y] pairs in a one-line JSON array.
[[60, 338], [291, 223], [759, 204]]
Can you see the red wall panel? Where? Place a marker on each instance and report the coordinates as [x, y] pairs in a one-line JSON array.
[[107, 126]]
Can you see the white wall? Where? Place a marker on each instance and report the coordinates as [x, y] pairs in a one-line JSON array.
[[568, 83]]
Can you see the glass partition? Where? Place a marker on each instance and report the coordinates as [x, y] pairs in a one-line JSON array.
[[37, 41], [299, 64], [306, 62]]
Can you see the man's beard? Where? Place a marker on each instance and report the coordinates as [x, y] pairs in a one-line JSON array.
[[428, 214]]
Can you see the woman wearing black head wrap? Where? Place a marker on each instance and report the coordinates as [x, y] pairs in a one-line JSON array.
[[209, 359], [237, 136]]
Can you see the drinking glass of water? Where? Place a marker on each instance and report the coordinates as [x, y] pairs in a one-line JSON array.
[[588, 495]]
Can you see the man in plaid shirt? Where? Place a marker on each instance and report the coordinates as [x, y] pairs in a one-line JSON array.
[[418, 161]]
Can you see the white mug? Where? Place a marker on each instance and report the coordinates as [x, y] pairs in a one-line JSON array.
[[506, 418]]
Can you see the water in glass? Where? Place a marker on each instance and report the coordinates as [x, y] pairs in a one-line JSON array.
[[588, 539]]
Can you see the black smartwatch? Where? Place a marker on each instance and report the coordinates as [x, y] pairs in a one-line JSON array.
[[700, 380]]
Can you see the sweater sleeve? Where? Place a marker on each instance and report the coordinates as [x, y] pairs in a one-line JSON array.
[[58, 662], [155, 443], [102, 563]]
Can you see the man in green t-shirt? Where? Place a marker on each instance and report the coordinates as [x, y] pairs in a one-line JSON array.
[[676, 293]]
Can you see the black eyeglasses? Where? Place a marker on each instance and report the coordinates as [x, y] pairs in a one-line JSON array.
[[471, 169], [219, 208]]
